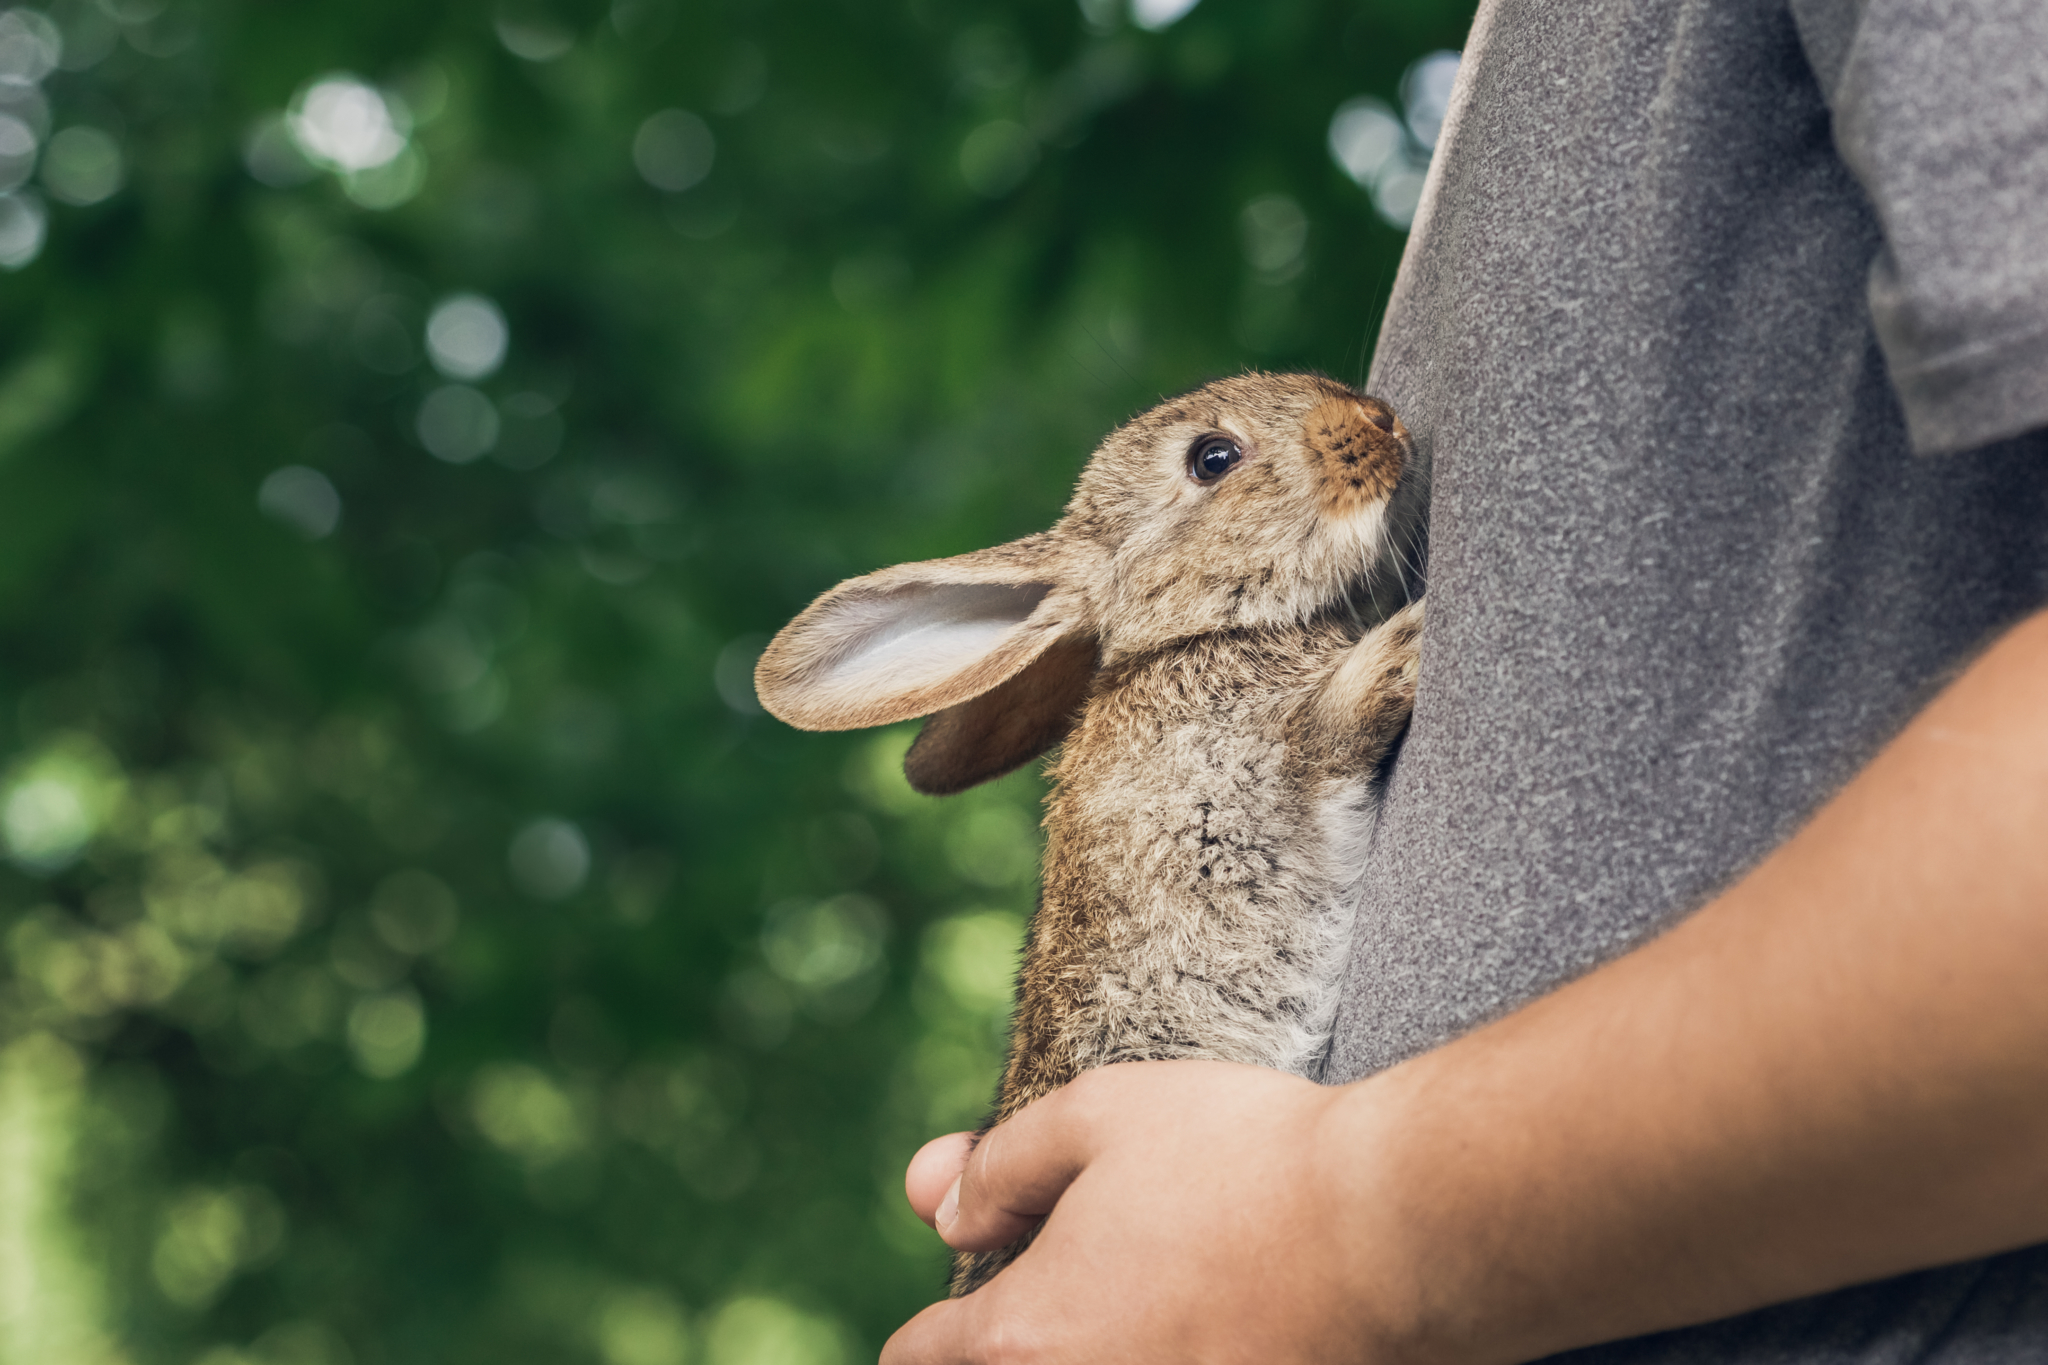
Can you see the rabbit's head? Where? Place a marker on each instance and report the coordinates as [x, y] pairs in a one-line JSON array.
[[1256, 501]]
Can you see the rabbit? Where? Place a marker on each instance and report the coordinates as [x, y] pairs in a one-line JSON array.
[[1213, 637]]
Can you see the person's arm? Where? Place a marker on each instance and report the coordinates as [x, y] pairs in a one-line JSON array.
[[1835, 1071]]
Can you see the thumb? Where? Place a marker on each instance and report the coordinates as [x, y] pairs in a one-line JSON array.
[[1018, 1171], [934, 1171]]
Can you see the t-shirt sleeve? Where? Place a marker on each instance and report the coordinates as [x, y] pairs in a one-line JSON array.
[[1941, 111]]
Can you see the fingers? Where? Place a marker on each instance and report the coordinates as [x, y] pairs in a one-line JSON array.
[[986, 1325], [943, 1334], [1151, 1165], [933, 1171], [1019, 1169]]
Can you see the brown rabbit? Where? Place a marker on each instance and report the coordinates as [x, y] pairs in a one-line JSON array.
[[1199, 634]]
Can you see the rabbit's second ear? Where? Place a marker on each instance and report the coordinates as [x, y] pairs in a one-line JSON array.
[[915, 639], [1007, 727]]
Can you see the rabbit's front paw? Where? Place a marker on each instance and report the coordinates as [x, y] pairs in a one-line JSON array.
[[1354, 719]]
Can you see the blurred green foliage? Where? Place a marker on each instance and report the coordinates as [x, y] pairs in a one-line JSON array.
[[417, 946]]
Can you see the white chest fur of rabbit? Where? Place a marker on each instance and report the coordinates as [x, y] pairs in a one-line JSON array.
[[1197, 635]]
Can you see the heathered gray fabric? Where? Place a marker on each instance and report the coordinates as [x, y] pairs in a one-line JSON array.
[[1692, 281]]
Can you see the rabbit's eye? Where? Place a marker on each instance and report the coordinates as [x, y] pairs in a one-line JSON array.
[[1212, 458]]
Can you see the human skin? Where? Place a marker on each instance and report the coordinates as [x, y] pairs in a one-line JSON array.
[[1835, 1071]]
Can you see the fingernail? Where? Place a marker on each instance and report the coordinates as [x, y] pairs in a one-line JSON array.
[[949, 1207]]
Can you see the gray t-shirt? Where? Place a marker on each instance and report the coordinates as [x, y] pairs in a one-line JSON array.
[[1724, 325]]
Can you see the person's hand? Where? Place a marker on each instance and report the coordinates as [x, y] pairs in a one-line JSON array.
[[1190, 1220]]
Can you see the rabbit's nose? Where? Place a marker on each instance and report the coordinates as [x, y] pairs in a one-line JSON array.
[[1357, 456]]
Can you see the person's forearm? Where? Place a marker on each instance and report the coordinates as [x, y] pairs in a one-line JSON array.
[[1836, 1071]]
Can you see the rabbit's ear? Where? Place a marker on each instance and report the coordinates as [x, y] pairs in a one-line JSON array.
[[1006, 727], [917, 638]]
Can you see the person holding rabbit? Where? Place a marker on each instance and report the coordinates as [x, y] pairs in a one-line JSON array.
[[1692, 1006]]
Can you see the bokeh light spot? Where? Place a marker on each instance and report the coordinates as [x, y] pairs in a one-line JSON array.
[[732, 673], [210, 1235], [549, 858], [1365, 136], [1159, 14], [272, 155], [1388, 154], [997, 156], [91, 33], [303, 499], [457, 424], [346, 125], [257, 912], [519, 1110], [1275, 232], [673, 150], [53, 1299], [758, 1330], [531, 37], [83, 166], [17, 151], [974, 955], [1426, 94], [54, 803], [448, 654], [823, 943], [30, 46], [27, 103], [297, 1342], [46, 821], [642, 1327], [414, 911], [467, 337], [635, 497], [23, 221], [387, 1032], [993, 845], [389, 184]]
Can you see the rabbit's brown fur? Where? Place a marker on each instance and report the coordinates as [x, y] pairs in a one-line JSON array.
[[1207, 657]]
